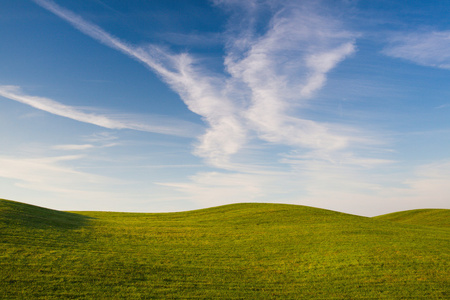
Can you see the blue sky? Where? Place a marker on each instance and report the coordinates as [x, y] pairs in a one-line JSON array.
[[154, 106]]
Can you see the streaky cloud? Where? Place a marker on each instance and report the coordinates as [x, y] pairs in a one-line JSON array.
[[426, 48], [204, 95], [73, 147], [81, 147], [269, 76], [92, 30], [283, 68], [225, 135], [178, 128]]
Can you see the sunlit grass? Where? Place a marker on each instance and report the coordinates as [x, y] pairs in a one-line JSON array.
[[427, 217], [240, 251]]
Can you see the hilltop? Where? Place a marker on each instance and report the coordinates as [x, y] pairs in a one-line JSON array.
[[238, 251], [424, 217]]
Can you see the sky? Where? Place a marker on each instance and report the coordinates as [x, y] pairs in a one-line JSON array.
[[167, 105]]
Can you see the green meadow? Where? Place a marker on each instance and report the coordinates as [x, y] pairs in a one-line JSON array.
[[238, 251]]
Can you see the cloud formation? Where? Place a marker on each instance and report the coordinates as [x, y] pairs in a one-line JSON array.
[[428, 48], [160, 125], [282, 69], [200, 93], [269, 74], [73, 147], [265, 132]]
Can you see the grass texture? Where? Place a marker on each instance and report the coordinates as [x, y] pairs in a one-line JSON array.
[[426, 217], [238, 251]]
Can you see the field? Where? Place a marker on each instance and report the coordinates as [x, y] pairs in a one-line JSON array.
[[238, 251]]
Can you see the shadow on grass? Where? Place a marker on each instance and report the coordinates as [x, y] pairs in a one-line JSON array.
[[20, 214]]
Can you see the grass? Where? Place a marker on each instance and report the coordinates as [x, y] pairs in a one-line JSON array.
[[239, 251], [426, 217]]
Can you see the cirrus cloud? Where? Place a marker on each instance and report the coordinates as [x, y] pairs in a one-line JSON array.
[[155, 124], [427, 48], [268, 74]]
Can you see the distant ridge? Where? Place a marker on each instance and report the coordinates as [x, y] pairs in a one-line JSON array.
[[424, 217], [32, 215]]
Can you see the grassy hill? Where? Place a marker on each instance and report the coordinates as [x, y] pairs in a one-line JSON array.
[[424, 217], [239, 251]]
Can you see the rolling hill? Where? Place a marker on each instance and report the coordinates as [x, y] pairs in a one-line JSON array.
[[238, 251], [424, 217]]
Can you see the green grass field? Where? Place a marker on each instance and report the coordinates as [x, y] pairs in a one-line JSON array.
[[239, 251]]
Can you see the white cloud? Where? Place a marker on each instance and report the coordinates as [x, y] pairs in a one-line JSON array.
[[286, 64], [73, 147], [203, 95], [282, 69], [321, 63], [225, 135], [155, 124], [70, 147], [101, 137], [429, 48], [341, 158], [93, 30], [271, 76]]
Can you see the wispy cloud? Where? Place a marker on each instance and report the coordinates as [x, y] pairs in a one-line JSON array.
[[90, 29], [70, 147], [283, 68], [73, 147], [270, 74], [200, 93], [427, 48], [442, 106], [193, 39], [160, 124], [259, 120]]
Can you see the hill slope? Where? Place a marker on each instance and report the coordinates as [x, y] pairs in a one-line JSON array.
[[239, 251], [424, 217], [20, 214]]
